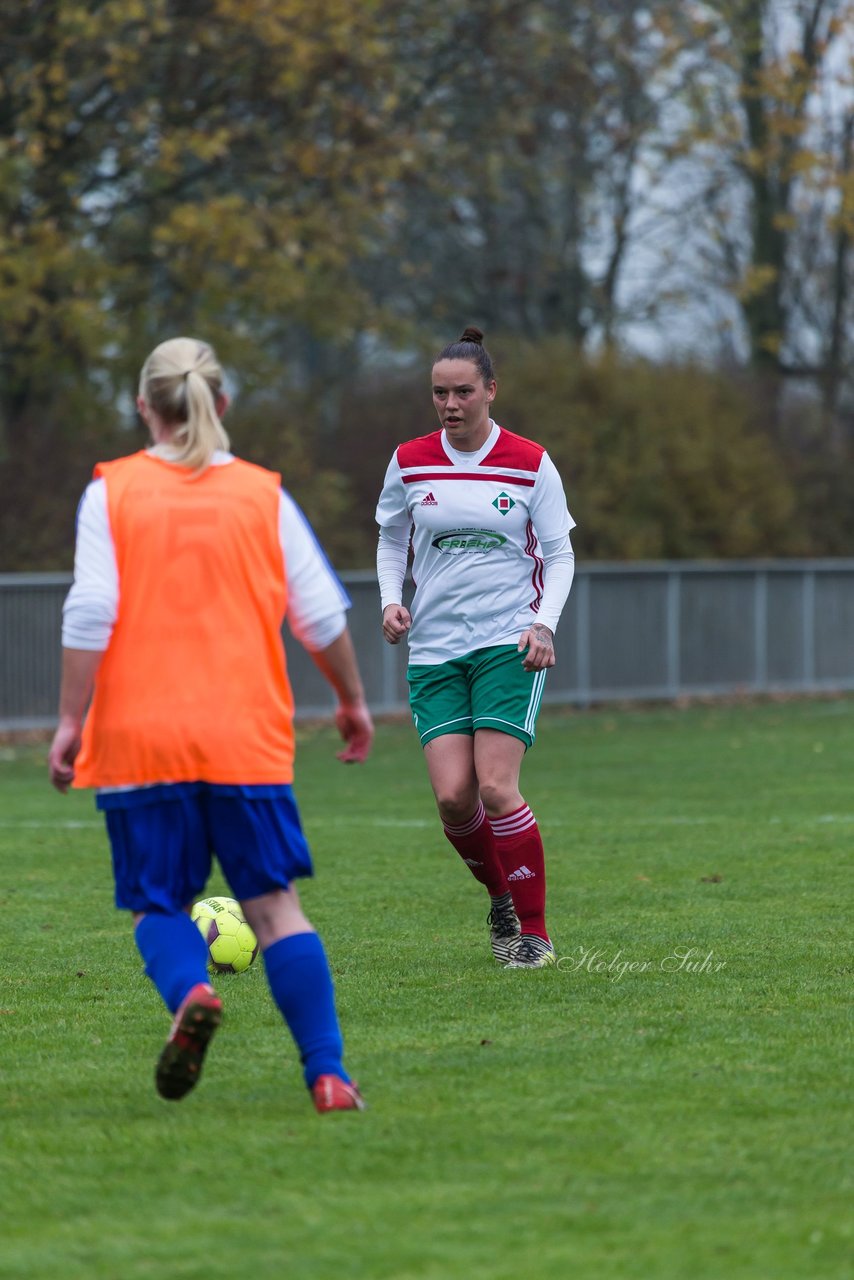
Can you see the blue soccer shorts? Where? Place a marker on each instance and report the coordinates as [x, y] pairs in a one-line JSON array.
[[163, 839]]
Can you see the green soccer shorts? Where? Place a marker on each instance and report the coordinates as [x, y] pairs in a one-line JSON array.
[[487, 689]]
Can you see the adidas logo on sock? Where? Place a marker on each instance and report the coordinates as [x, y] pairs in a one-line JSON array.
[[522, 873], [429, 501]]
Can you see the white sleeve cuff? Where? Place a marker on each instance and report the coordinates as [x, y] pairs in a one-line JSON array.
[[320, 635], [91, 606], [558, 572], [317, 602], [392, 559]]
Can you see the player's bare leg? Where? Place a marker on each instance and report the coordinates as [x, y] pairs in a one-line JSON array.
[[498, 760], [276, 915], [450, 764]]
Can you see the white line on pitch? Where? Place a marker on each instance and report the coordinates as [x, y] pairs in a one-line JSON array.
[[53, 826]]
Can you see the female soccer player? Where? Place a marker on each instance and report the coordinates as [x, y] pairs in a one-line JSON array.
[[489, 527], [187, 561]]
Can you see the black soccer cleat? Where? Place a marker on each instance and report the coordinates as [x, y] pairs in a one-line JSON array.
[[180, 1064], [504, 928]]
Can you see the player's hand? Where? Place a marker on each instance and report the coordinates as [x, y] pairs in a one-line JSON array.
[[63, 753], [540, 645], [357, 729], [396, 622]]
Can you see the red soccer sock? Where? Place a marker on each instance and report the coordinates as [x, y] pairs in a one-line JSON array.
[[520, 849], [475, 844]]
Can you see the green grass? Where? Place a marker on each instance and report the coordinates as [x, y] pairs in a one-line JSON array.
[[653, 1122]]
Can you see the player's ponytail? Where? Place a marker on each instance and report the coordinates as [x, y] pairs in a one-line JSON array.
[[181, 381], [469, 346]]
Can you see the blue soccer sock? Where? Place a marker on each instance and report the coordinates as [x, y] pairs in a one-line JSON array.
[[299, 978], [175, 954]]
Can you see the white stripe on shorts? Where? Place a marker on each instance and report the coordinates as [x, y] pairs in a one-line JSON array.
[[534, 701]]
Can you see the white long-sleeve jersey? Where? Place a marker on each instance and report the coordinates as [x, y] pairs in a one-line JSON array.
[[317, 601], [490, 538]]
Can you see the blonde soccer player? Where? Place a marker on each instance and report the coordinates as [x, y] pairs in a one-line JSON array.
[[187, 561]]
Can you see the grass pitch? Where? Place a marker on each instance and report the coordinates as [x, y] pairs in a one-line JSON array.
[[670, 1102]]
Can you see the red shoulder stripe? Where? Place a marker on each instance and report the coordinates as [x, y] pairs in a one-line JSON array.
[[514, 451], [424, 451]]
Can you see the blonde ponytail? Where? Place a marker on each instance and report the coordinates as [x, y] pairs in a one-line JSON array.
[[181, 381]]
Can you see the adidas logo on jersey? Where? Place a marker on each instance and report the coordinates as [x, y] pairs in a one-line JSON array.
[[429, 501], [522, 873]]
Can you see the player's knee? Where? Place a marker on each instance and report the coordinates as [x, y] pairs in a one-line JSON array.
[[456, 805], [275, 915], [499, 797]]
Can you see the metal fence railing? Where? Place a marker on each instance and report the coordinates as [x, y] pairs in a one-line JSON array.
[[630, 631]]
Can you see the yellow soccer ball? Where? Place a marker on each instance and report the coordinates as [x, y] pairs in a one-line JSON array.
[[232, 946]]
